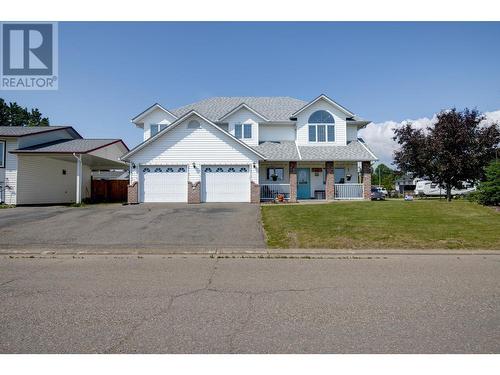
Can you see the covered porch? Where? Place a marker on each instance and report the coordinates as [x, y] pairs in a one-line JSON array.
[[294, 181]]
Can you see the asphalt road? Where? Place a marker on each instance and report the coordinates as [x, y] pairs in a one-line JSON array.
[[161, 304], [144, 226]]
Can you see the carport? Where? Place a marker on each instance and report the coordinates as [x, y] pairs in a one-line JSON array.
[[60, 171]]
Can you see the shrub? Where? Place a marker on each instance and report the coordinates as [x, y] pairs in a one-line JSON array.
[[489, 190]]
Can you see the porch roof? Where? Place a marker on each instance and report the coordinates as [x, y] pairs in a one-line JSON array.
[[279, 151], [289, 151], [354, 151]]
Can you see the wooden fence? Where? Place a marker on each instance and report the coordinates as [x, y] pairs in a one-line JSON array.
[[109, 191]]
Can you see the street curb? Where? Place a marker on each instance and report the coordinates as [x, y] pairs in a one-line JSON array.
[[240, 251]]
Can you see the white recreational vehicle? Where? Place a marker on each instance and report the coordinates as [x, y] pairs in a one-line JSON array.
[[431, 189]]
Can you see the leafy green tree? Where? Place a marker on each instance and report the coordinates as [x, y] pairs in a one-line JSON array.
[[13, 114], [454, 151], [384, 176], [489, 189]]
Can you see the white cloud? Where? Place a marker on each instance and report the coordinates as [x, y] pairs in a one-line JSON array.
[[379, 135]]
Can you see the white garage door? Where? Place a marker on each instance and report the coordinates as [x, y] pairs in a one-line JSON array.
[[229, 183], [163, 183]]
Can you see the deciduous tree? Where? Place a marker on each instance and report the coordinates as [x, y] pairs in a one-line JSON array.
[[455, 150]]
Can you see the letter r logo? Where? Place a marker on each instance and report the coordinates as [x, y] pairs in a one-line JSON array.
[[27, 49]]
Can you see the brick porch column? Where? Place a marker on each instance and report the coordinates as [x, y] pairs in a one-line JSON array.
[[194, 192], [330, 181], [292, 170], [132, 193], [254, 192], [366, 171]]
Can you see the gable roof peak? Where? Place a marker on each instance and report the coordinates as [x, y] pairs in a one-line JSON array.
[[150, 109], [180, 120], [327, 99]]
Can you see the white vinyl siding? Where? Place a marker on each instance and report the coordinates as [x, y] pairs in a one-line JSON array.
[[339, 127], [276, 133], [8, 174], [41, 180], [244, 117], [352, 132], [194, 148], [2, 153], [157, 117]]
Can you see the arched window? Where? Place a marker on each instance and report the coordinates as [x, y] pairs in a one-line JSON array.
[[321, 127], [321, 117]]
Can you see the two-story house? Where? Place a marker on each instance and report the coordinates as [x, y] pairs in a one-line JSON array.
[[249, 149]]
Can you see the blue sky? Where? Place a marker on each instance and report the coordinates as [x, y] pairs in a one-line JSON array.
[[109, 72]]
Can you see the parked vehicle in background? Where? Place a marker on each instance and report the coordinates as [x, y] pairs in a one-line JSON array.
[[428, 188], [383, 190], [376, 194]]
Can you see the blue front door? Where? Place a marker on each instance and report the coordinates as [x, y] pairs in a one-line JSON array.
[[303, 183]]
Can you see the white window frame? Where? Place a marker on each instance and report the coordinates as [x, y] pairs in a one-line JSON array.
[[159, 126], [3, 153], [326, 125], [241, 131], [247, 125], [268, 174]]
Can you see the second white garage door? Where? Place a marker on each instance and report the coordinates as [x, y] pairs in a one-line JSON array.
[[229, 183], [163, 183]]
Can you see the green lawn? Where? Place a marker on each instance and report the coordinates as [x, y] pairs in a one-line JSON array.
[[389, 224]]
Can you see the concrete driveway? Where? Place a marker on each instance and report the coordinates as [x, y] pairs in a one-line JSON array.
[[145, 226]]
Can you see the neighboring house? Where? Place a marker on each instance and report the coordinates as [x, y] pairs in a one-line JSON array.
[[405, 183], [52, 164], [248, 149]]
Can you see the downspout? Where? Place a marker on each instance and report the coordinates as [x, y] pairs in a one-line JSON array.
[[78, 178]]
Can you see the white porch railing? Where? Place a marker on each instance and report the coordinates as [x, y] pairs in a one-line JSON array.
[[348, 191], [271, 191]]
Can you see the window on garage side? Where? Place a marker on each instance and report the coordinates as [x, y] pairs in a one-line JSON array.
[[2, 154]]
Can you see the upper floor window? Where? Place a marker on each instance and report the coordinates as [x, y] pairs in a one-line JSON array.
[[156, 128], [243, 131], [321, 127], [2, 154]]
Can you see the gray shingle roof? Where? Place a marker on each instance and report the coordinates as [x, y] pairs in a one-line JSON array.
[[287, 151], [277, 108], [68, 146], [354, 151], [20, 131], [278, 151]]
